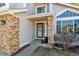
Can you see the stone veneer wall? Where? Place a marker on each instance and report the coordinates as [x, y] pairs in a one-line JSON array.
[[9, 34], [50, 30]]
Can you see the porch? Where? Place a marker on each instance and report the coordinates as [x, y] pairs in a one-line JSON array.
[[43, 26], [27, 51]]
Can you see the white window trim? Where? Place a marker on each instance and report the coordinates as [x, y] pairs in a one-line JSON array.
[[6, 7], [71, 5], [66, 18], [66, 10], [40, 6], [56, 26]]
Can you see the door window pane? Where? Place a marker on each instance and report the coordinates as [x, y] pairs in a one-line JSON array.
[[39, 33]]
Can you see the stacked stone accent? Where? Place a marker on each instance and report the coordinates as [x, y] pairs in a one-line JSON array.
[[50, 30], [9, 34]]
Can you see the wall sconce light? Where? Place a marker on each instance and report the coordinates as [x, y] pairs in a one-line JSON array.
[[2, 22]]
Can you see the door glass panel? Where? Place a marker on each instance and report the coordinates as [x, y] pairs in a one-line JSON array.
[[39, 33], [40, 30], [39, 27]]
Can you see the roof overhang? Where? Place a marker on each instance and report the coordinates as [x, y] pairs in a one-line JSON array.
[[70, 5], [38, 16], [13, 11], [18, 10]]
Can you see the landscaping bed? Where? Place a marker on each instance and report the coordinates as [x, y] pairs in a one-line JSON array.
[[64, 49], [41, 51]]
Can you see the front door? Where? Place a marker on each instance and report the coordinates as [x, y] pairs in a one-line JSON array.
[[40, 30]]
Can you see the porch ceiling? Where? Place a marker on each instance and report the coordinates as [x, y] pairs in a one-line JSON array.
[[40, 16]]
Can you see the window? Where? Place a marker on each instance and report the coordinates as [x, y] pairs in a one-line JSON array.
[[41, 9], [67, 25], [58, 25], [76, 26], [67, 13], [64, 26], [2, 4]]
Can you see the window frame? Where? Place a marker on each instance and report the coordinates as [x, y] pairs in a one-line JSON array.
[[68, 24], [2, 4], [74, 25], [39, 7], [67, 18], [56, 26]]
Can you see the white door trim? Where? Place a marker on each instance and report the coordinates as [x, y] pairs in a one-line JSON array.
[[45, 31]]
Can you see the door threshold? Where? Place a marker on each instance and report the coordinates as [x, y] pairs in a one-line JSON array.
[[39, 38]]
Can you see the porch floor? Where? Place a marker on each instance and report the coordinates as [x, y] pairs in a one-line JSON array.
[[30, 49]]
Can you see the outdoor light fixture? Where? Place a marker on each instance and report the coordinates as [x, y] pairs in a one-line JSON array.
[[2, 22]]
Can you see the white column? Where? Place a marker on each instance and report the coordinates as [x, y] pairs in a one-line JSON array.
[[73, 26], [45, 28]]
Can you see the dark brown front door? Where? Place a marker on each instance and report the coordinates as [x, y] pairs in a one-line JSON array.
[[40, 30]]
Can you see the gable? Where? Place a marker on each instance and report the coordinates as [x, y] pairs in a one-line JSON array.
[[67, 13]]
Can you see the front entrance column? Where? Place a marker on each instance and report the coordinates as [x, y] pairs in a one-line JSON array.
[[9, 34], [50, 30]]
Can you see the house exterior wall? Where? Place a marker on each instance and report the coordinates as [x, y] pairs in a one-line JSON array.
[[26, 29], [51, 8], [54, 9], [10, 6], [17, 5], [58, 8], [3, 8], [26, 24], [32, 9]]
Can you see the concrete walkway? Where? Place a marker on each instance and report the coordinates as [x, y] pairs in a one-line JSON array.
[[30, 49]]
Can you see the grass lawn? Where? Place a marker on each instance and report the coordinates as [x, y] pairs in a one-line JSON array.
[[40, 51]]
